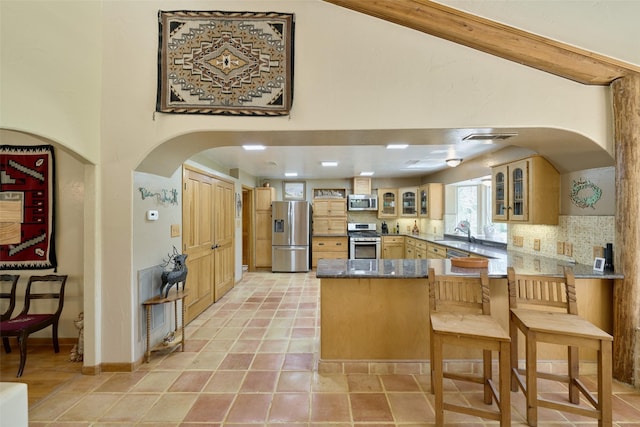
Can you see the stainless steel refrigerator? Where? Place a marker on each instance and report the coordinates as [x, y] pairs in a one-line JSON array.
[[291, 225]]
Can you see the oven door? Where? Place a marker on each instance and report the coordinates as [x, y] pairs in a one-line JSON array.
[[364, 249]]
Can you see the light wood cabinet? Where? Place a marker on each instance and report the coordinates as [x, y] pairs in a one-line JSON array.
[[436, 251], [328, 248], [330, 217], [387, 202], [421, 249], [393, 247], [410, 248], [526, 191], [361, 185], [408, 201], [415, 248], [431, 200], [330, 207], [263, 198]]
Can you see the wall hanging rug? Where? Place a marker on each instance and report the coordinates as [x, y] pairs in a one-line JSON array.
[[26, 207], [233, 63]]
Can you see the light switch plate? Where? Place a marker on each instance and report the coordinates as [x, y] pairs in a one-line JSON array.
[[560, 248], [175, 230], [518, 241], [568, 249], [536, 244]]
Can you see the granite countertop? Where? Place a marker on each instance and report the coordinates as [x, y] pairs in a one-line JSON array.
[[476, 248], [499, 260], [418, 268]]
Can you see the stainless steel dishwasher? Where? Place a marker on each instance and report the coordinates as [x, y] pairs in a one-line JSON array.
[[454, 253]]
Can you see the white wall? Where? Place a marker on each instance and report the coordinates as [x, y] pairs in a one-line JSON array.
[[50, 71], [609, 27]]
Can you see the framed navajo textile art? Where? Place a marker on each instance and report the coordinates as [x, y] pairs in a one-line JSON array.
[[232, 63], [26, 207]]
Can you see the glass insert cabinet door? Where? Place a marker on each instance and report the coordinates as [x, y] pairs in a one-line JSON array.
[[424, 201], [510, 192], [518, 191], [387, 203], [408, 196], [499, 187]]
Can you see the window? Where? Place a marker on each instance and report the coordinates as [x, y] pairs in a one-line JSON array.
[[471, 201]]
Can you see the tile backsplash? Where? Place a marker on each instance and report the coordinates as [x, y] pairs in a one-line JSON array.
[[582, 232]]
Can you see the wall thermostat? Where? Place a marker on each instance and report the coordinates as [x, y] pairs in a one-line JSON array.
[[152, 215]]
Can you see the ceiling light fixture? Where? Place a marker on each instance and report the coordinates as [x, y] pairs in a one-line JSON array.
[[291, 174], [253, 147], [329, 164], [453, 162], [366, 173], [397, 146]]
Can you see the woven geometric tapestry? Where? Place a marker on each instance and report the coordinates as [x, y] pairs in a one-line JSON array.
[[233, 63], [26, 207]]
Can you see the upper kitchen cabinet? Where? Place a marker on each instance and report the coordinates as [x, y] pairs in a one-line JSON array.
[[526, 191], [431, 201], [329, 216], [387, 202], [361, 185], [408, 199]]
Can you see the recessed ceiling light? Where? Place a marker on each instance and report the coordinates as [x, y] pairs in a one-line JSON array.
[[397, 146], [291, 174], [366, 173], [453, 162], [253, 147], [329, 164]]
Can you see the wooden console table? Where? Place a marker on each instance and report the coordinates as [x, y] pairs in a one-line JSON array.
[[174, 296]]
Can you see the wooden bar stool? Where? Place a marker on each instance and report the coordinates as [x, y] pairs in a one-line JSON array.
[[544, 309], [461, 316]]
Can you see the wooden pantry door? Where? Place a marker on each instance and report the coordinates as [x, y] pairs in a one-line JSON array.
[[223, 270], [208, 231]]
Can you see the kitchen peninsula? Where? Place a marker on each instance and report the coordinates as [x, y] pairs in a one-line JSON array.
[[378, 310]]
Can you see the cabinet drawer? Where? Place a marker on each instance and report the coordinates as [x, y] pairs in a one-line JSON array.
[[420, 244], [329, 244], [392, 239], [436, 251]]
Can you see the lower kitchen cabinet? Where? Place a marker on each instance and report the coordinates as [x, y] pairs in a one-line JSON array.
[[410, 248], [328, 248], [436, 251], [421, 249], [393, 247]]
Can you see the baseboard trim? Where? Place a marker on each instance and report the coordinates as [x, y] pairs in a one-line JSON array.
[[112, 367]]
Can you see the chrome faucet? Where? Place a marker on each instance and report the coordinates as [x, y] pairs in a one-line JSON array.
[[465, 227]]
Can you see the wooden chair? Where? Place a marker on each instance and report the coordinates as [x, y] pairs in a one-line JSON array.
[[27, 322], [544, 309], [8, 286], [461, 316]]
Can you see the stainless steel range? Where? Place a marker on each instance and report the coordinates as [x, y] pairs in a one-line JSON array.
[[364, 241]]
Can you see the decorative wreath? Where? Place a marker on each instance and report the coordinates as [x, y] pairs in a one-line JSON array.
[[582, 201]]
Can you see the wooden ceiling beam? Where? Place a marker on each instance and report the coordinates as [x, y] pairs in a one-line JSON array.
[[496, 39]]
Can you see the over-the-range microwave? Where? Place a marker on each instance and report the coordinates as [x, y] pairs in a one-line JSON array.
[[362, 202]]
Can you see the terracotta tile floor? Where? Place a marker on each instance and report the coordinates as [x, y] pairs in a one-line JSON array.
[[250, 361]]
